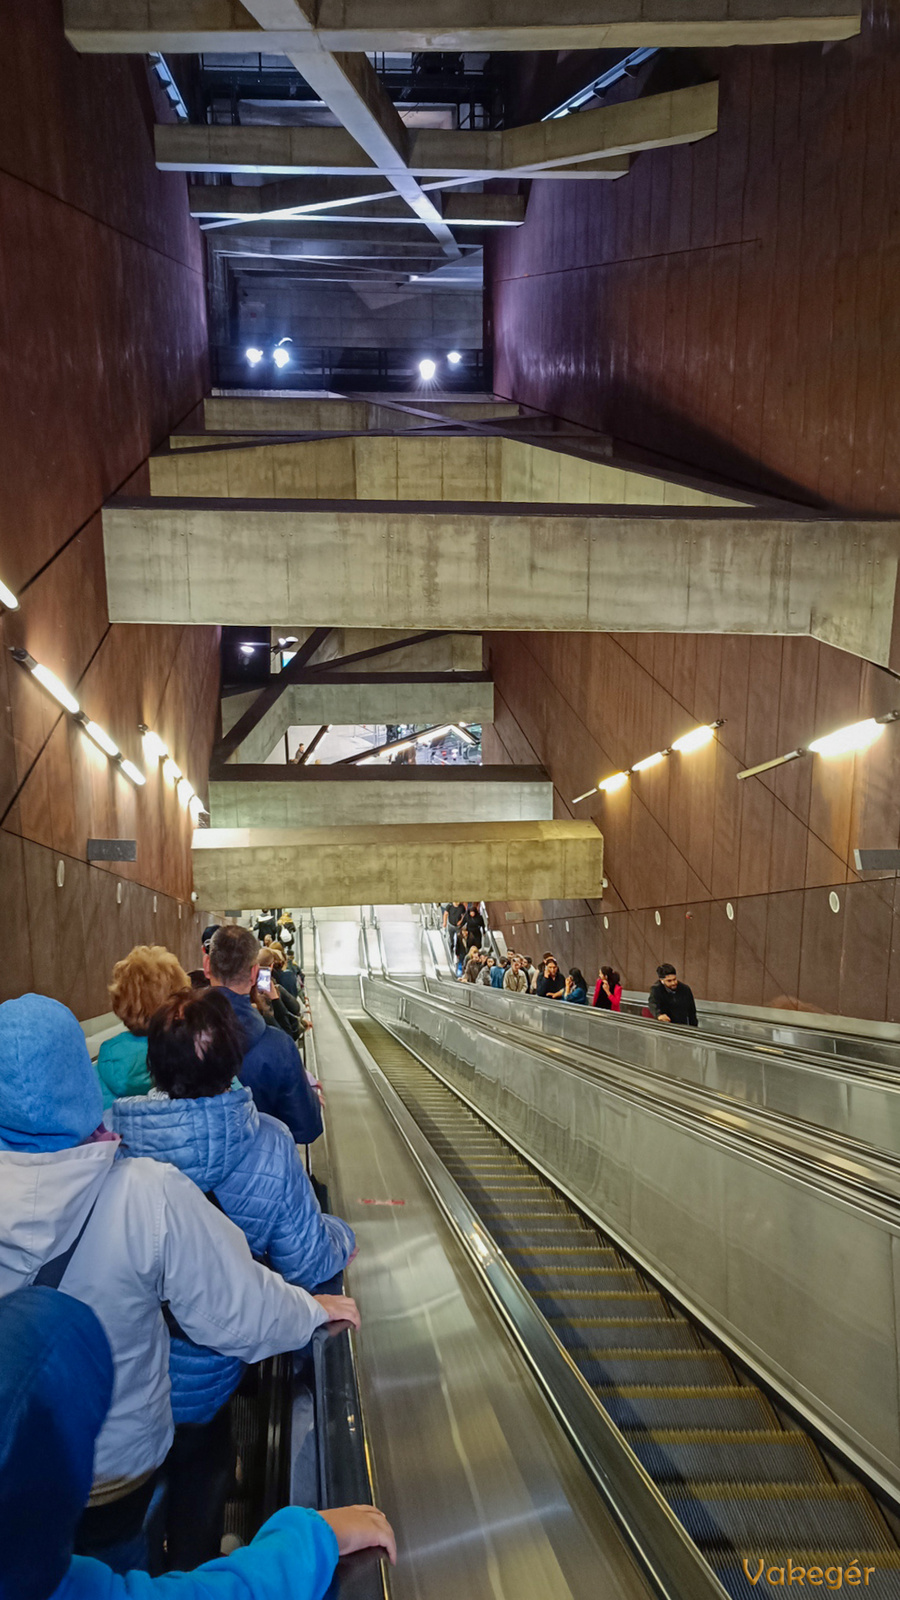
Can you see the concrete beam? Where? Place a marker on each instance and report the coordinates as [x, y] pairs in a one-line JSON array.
[[463, 565], [299, 198], [358, 703], [110, 27], [398, 865], [455, 467], [284, 414], [326, 797], [678, 116]]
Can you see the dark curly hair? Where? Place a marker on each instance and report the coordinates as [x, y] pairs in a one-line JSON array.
[[195, 1045]]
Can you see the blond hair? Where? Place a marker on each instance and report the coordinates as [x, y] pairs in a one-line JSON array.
[[142, 981]]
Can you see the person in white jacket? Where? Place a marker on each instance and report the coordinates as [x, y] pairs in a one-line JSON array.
[[127, 1237]]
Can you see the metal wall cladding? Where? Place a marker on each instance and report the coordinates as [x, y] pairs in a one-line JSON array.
[[805, 1283], [860, 1102]]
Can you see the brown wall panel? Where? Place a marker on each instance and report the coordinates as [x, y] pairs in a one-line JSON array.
[[686, 837], [102, 352]]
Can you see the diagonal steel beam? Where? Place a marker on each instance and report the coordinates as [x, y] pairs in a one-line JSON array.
[[351, 88], [269, 696]]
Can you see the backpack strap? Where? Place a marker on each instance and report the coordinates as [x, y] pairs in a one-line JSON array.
[[53, 1272]]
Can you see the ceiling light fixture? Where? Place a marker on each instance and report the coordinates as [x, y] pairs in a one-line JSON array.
[[454, 357], [281, 357], [427, 369], [8, 599], [254, 356]]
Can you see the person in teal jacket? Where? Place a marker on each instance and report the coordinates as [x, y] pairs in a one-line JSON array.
[[146, 977], [56, 1379]]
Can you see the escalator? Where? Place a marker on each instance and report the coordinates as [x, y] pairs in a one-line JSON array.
[[744, 1482]]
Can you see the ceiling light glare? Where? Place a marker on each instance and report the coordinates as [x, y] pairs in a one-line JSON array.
[[154, 749], [132, 772], [184, 790], [649, 761], [254, 356], [291, 639], [171, 772], [100, 737], [8, 599], [857, 736], [454, 357], [610, 785], [281, 357], [695, 740], [247, 649], [53, 686], [427, 369]]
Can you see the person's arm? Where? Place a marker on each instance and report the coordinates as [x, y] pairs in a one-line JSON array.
[[597, 987], [655, 1001], [292, 1557], [289, 1001], [219, 1295], [305, 1246], [616, 998]]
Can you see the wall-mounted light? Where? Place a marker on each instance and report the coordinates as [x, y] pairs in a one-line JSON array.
[[184, 790], [197, 808], [281, 357], [695, 739], [856, 736], [132, 772], [48, 680], [427, 369], [254, 356], [8, 599], [99, 736], [454, 357], [154, 748], [171, 770]]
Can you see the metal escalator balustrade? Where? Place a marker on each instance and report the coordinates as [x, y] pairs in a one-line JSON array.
[[744, 1487]]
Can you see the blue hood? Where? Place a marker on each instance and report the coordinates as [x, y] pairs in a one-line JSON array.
[[205, 1139], [253, 1026], [56, 1378], [49, 1094]]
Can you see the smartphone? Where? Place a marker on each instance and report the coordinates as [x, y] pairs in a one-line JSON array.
[[264, 981]]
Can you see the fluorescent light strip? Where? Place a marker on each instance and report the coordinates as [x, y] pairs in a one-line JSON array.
[[694, 740], [132, 772], [8, 599], [856, 736], [100, 737], [154, 748], [51, 683]]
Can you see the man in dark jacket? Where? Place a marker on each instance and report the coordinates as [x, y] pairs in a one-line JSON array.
[[670, 1000], [271, 1069]]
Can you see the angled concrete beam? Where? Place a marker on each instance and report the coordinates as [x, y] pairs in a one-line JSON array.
[[465, 565], [110, 27], [298, 198], [433, 467], [349, 85], [397, 865], [678, 116], [321, 797], [282, 414], [359, 701]]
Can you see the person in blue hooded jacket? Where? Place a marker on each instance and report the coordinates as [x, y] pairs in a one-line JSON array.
[[272, 1068], [199, 1120], [56, 1382]]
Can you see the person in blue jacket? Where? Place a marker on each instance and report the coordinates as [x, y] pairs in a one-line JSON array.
[[576, 987], [56, 1380], [201, 1121], [272, 1068]]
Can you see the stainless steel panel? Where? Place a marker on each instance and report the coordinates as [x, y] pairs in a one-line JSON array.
[[486, 1494], [793, 1273], [861, 1102]]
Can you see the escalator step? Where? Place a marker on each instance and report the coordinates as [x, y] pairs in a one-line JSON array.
[[595, 1302], [602, 1308], [622, 1367], [536, 1238], [585, 1257], [733, 1407], [780, 1516], [658, 1333], [715, 1456], [577, 1281]]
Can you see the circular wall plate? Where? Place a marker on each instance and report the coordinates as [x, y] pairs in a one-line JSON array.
[[657, 919], [729, 911], [606, 922], [154, 902], [60, 874], [834, 900], [119, 891]]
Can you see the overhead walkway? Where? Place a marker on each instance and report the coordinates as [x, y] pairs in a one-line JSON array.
[[705, 1299]]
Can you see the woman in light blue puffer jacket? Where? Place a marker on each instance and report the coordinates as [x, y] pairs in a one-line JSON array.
[[202, 1122]]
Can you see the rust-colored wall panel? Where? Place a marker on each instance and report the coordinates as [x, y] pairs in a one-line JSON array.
[[102, 352], [686, 837]]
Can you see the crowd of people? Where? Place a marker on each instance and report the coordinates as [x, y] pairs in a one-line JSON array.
[[159, 1231], [669, 1000]]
